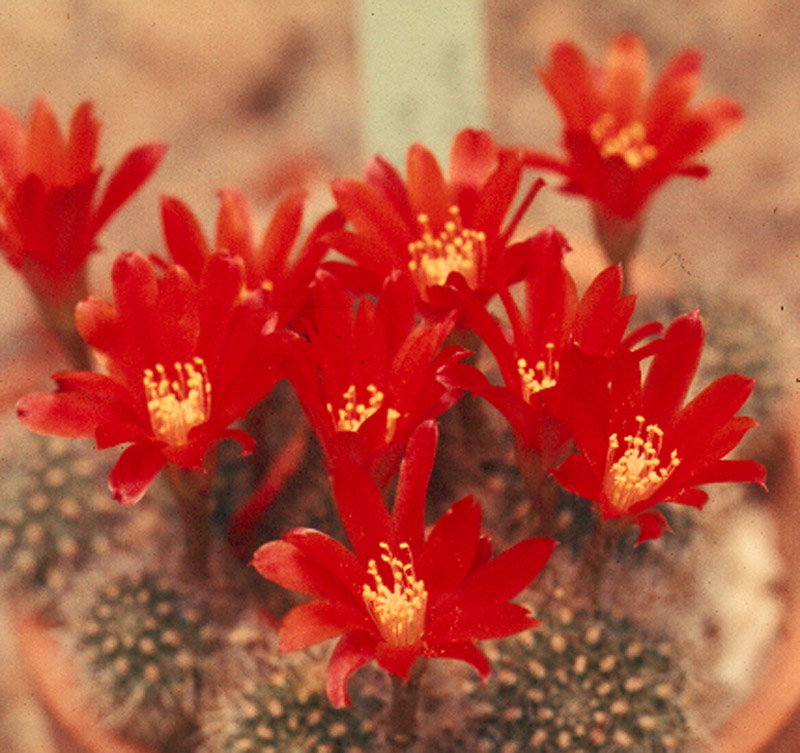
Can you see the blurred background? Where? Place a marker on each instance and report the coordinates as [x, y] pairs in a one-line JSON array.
[[269, 94]]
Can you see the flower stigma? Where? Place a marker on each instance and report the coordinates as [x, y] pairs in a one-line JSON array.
[[628, 142], [176, 406], [542, 376], [638, 472], [399, 611], [454, 249]]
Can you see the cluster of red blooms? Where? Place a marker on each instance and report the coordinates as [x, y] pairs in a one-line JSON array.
[[191, 344]]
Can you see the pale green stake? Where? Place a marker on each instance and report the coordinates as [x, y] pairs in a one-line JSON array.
[[422, 73]]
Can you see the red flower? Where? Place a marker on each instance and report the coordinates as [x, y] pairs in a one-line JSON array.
[[48, 218], [368, 378], [184, 361], [639, 445], [431, 225], [530, 354], [280, 278], [622, 144], [402, 595]]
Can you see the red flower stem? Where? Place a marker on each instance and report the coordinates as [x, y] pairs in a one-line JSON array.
[[619, 238], [402, 719], [541, 488], [598, 552], [59, 316], [191, 488]]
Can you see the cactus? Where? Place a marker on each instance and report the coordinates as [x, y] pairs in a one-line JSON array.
[[741, 337], [582, 683], [142, 645], [279, 706], [56, 511]]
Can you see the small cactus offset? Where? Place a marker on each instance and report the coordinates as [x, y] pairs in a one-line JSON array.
[[582, 683], [281, 711], [56, 512], [143, 645]]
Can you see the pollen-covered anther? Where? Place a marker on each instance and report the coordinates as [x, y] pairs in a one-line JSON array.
[[177, 405], [541, 376], [628, 142], [639, 471], [453, 249], [398, 609], [354, 413]]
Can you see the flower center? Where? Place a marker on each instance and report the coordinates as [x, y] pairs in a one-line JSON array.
[[454, 249], [628, 142], [542, 376], [355, 413], [638, 472], [399, 610], [176, 406]]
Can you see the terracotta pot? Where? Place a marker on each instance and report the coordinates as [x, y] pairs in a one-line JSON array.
[[74, 730], [758, 726]]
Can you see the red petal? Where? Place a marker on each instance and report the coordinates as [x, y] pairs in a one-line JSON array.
[[65, 414], [743, 471], [408, 513], [465, 652], [507, 574], [317, 621], [132, 172], [709, 411], [398, 660], [322, 548], [477, 621], [371, 215], [449, 551], [234, 232], [373, 260], [288, 566], [427, 190], [12, 146], [624, 77], [46, 148], [576, 476], [651, 526], [83, 134], [397, 308], [692, 497], [184, 237], [134, 472], [571, 83], [602, 316], [279, 238], [673, 369], [362, 510], [383, 176], [473, 158], [671, 94], [352, 652]]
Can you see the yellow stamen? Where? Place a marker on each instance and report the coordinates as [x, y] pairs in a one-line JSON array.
[[628, 142], [399, 611], [176, 406], [542, 376], [638, 472], [454, 249], [354, 413]]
